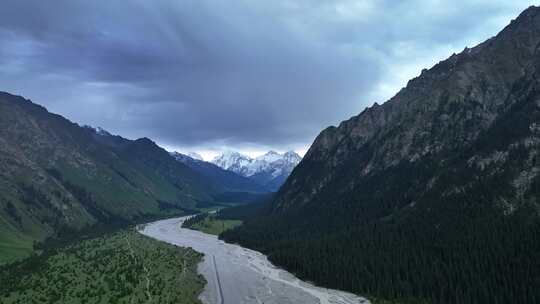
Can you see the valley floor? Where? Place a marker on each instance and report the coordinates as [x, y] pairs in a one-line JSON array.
[[239, 275]]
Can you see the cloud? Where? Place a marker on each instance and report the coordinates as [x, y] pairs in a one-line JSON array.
[[212, 74]]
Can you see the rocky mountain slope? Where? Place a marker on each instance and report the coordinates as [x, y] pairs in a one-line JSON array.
[[444, 111], [439, 184], [57, 176], [270, 170]]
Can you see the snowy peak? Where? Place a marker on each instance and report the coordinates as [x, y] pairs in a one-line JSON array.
[[194, 155], [271, 168], [234, 161], [185, 158], [102, 132], [292, 157], [223, 180], [269, 157], [188, 157], [97, 130]]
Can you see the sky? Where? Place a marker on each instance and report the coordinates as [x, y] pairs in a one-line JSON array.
[[210, 75]]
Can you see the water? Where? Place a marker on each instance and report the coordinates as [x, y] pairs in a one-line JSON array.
[[239, 275]]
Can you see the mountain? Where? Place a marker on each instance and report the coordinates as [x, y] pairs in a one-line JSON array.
[[57, 176], [235, 162], [270, 170], [186, 158], [432, 196], [195, 156], [230, 181]]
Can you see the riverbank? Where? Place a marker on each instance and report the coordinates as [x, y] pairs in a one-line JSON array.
[[239, 275]]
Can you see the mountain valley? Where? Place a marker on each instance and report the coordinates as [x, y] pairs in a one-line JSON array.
[[432, 197], [57, 177]]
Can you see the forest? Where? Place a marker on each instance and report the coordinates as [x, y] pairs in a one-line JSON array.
[[210, 223], [493, 261], [117, 267], [470, 237]]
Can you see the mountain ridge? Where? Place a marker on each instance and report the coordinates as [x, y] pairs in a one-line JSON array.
[[56, 175], [391, 115], [270, 169], [231, 181], [431, 196]]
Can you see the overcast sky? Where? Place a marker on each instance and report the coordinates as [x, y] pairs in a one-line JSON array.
[[245, 75]]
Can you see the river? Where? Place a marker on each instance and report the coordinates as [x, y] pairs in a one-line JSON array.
[[237, 275]]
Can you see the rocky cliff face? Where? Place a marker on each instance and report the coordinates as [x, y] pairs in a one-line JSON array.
[[440, 119]]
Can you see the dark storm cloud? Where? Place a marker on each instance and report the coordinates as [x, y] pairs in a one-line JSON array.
[[228, 73]]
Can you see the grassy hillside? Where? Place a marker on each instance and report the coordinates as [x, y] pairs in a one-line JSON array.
[[56, 175], [14, 244], [124, 267]]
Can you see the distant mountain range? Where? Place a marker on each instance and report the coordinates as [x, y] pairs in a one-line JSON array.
[[269, 170], [229, 180], [58, 176]]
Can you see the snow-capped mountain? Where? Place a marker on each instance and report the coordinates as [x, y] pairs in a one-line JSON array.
[[188, 157], [185, 158], [195, 155], [97, 130], [228, 180], [270, 169], [235, 162]]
